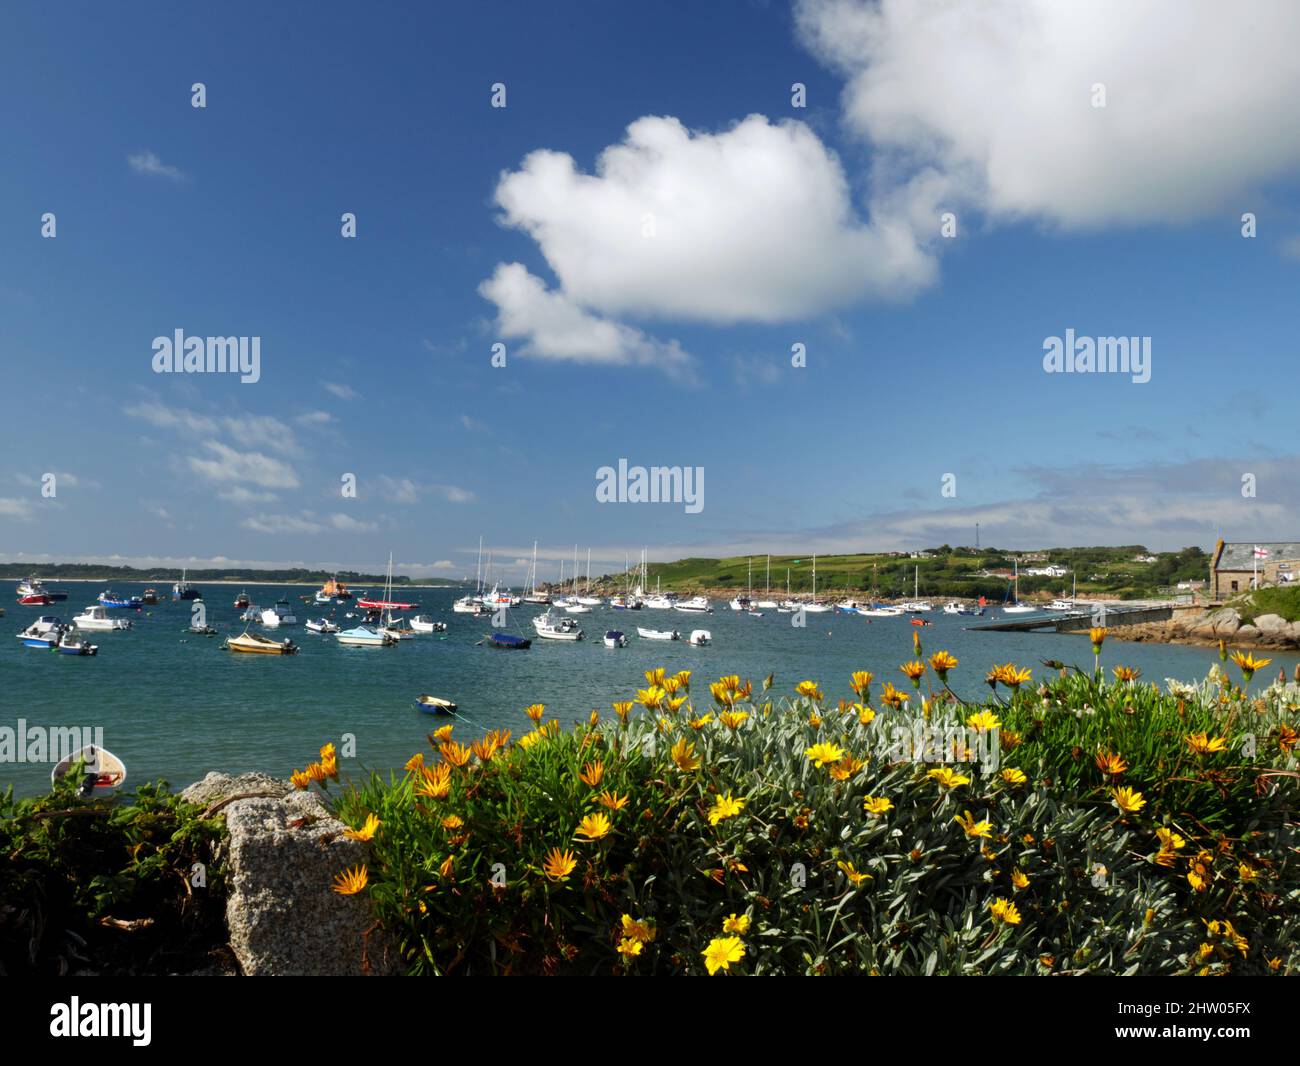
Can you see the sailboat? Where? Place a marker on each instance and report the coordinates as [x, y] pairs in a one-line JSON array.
[[1063, 604], [589, 600], [531, 595], [746, 603], [574, 604], [916, 605], [1015, 606], [814, 606], [472, 604], [767, 603]]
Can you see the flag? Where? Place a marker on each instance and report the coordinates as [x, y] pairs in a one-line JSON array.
[[1261, 553]]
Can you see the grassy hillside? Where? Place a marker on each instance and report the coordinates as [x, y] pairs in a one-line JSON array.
[[1281, 601]]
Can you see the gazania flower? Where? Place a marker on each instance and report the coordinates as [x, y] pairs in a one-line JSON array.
[[1098, 637], [699, 723], [529, 739], [941, 662], [860, 681], [485, 749], [443, 734], [611, 801], [1203, 744], [892, 697], [300, 778], [815, 720], [1248, 664], [595, 826], [1287, 737], [848, 767], [1247, 874], [453, 822], [650, 698], [592, 773], [674, 703], [629, 948], [865, 714], [913, 671], [640, 931], [725, 807], [948, 778], [730, 681], [722, 952], [1003, 910], [350, 882], [446, 866], [993, 676], [736, 923], [877, 805], [722, 695], [1169, 839], [856, 877], [456, 754], [1014, 777], [367, 830], [1127, 674], [670, 685], [665, 725], [1009, 739], [593, 719], [328, 752], [621, 709], [683, 754], [1110, 764], [733, 719], [821, 754], [654, 678], [559, 864], [435, 781], [982, 721], [809, 690], [535, 712], [683, 678], [1018, 879], [973, 828], [415, 762], [316, 772], [1128, 800], [330, 764], [916, 642], [1013, 676]]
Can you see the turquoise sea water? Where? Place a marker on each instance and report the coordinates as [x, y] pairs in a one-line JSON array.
[[175, 706]]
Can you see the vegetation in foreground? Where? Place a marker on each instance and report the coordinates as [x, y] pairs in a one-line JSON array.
[[726, 830]]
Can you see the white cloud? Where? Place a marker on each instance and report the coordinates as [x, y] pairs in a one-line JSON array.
[[227, 464], [407, 490], [472, 424], [244, 428], [348, 524], [314, 418], [147, 162], [343, 392], [283, 523], [10, 507], [988, 103], [241, 496]]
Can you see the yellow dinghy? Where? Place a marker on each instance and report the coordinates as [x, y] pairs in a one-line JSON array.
[[260, 645]]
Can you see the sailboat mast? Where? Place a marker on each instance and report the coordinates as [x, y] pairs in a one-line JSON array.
[[478, 567]]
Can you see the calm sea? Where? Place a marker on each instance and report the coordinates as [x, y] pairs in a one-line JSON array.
[[174, 706]]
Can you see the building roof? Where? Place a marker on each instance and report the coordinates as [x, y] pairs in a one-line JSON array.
[[1241, 556]]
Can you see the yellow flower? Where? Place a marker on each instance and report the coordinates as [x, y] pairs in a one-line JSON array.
[[948, 778], [877, 805], [1004, 910], [722, 952], [865, 715], [330, 764], [611, 801], [443, 734], [1012, 776], [1018, 879], [700, 722], [453, 821], [435, 782], [1247, 874], [670, 685], [529, 739], [415, 762], [809, 690], [847, 768], [725, 807], [1127, 673], [730, 681], [982, 721], [733, 719], [913, 671], [856, 877], [815, 720], [595, 826], [367, 830], [941, 662], [642, 932], [684, 756], [1128, 800], [300, 778], [559, 864], [892, 697], [860, 681], [1202, 744], [316, 772], [973, 828], [593, 719], [592, 773], [1287, 737], [1169, 839], [456, 754], [621, 709], [736, 923], [1110, 764], [821, 754], [683, 678], [675, 703], [350, 882], [535, 712], [1013, 676], [1248, 664], [629, 948], [1098, 637], [650, 698], [446, 866], [655, 678]]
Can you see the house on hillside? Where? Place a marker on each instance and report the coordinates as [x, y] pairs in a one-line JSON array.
[[1238, 568]]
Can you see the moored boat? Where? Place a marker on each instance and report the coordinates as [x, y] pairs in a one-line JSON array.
[[257, 644], [435, 705], [615, 639], [364, 637], [279, 615], [183, 590], [96, 618], [658, 634], [149, 597], [43, 633], [322, 625], [695, 605], [423, 623], [101, 770], [507, 641], [700, 638], [241, 601], [69, 645], [110, 599], [552, 627]]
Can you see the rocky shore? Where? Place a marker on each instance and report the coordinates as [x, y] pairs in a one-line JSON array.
[[1265, 631]]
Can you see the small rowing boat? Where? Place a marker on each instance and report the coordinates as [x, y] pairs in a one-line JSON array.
[[101, 770], [435, 705], [658, 634]]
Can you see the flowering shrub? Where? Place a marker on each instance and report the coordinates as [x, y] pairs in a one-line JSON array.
[[1108, 827]]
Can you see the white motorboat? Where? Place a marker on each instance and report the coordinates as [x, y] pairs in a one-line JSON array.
[[880, 611], [658, 603], [917, 607], [615, 639], [469, 605], [279, 615], [954, 607], [700, 638], [322, 625], [658, 634], [576, 607], [695, 605], [97, 618], [1062, 605], [549, 625], [69, 645], [252, 614], [741, 603], [423, 623], [364, 636]]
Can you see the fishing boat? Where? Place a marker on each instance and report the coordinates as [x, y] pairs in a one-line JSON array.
[[507, 641], [149, 597], [333, 591], [241, 601], [43, 633], [36, 599], [695, 605], [70, 645], [279, 615], [658, 634], [659, 603], [552, 627], [1013, 604], [423, 623], [615, 639], [252, 614], [742, 603], [183, 590], [34, 586], [700, 638], [97, 618], [364, 637], [922, 622], [435, 705], [110, 599], [257, 644], [322, 625], [101, 770]]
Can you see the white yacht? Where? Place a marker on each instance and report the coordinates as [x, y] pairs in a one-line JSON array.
[[696, 605], [551, 626], [279, 615], [98, 619]]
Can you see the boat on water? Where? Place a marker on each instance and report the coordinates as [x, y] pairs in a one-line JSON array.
[[100, 770], [257, 644], [42, 633], [70, 645], [279, 615], [552, 627], [954, 607], [700, 638], [201, 629], [110, 599], [470, 605], [365, 637], [922, 622], [183, 590], [149, 597], [398, 628], [34, 586], [1062, 605], [386, 605], [695, 605], [35, 599], [880, 610], [423, 623], [333, 591], [615, 639], [574, 607], [322, 625], [507, 641], [435, 705], [742, 603], [658, 634], [1013, 604], [96, 618], [241, 601]]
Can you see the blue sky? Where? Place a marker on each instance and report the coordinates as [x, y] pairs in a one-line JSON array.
[[772, 225]]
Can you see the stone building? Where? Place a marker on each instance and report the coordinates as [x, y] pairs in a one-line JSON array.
[[1234, 567]]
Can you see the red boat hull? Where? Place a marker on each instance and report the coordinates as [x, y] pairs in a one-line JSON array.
[[35, 601], [387, 605]]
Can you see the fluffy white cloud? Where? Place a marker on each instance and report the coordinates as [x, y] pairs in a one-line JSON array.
[[228, 465], [147, 162], [11, 507], [348, 524], [407, 490], [282, 523], [988, 103], [343, 392]]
